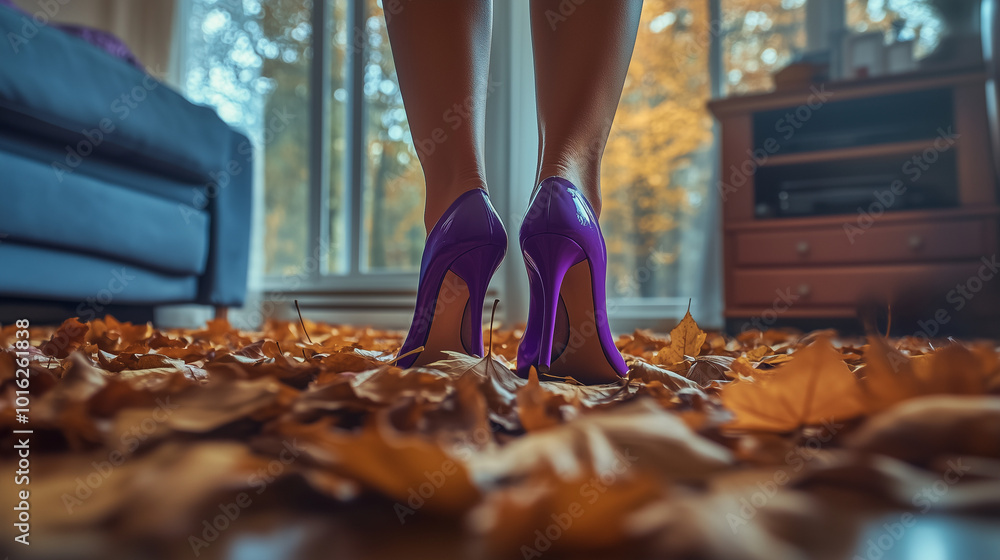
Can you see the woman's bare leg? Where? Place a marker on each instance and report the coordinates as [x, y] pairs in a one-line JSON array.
[[441, 50], [582, 51], [581, 57]]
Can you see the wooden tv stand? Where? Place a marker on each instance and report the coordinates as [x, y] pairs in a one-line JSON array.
[[843, 194]]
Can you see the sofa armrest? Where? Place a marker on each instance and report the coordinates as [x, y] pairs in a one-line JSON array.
[[229, 199]]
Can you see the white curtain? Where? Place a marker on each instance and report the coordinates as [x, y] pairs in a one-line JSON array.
[[146, 26]]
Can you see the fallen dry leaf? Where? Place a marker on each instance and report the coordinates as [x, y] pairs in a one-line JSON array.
[[640, 435], [815, 387], [663, 463], [411, 470], [685, 340], [922, 429]]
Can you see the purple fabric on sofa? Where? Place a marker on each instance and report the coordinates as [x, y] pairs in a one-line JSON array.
[[104, 40], [101, 39]]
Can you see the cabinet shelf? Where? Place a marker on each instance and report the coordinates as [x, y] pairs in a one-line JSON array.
[[855, 152]]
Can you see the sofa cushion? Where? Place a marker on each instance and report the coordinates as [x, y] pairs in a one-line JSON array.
[[94, 104], [191, 194], [92, 216], [39, 272]]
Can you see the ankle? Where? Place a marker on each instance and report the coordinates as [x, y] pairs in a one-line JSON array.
[[587, 178], [440, 197]]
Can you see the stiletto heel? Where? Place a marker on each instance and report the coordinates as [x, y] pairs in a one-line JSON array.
[[470, 267], [567, 261], [462, 252], [549, 256]]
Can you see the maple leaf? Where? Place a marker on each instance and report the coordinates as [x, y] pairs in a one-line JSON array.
[[815, 386], [685, 340]]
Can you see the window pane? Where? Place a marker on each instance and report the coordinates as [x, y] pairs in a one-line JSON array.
[[899, 19], [658, 165], [393, 183], [250, 61], [336, 127], [759, 37]]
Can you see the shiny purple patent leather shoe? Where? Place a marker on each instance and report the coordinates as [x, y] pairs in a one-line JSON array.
[[567, 332], [462, 252]]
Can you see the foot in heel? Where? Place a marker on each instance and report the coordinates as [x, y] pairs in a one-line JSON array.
[[566, 259], [462, 252]]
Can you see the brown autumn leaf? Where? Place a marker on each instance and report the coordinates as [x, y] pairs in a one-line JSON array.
[[887, 377], [742, 367], [642, 342], [708, 369], [588, 512], [130, 361], [685, 340], [197, 409], [411, 470], [644, 372], [67, 338], [155, 494], [955, 370], [816, 386], [389, 384], [720, 525], [758, 353], [535, 405], [369, 426], [640, 434], [499, 384], [905, 486], [66, 407], [922, 429]]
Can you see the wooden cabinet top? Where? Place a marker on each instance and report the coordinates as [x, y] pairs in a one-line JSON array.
[[847, 89]]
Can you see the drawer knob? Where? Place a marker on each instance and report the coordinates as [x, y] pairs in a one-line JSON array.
[[802, 247], [916, 241], [804, 290]]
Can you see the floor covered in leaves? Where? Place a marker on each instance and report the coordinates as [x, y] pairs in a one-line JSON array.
[[303, 441]]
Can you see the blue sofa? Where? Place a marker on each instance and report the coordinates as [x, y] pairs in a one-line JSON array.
[[114, 189]]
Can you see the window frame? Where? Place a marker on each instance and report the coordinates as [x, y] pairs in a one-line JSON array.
[[317, 277], [510, 159]]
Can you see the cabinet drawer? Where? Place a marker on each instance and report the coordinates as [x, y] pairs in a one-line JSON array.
[[887, 243], [847, 286]]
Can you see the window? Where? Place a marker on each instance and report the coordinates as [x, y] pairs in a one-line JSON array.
[[251, 61], [254, 62], [394, 184], [899, 19], [313, 84], [759, 37], [658, 165]]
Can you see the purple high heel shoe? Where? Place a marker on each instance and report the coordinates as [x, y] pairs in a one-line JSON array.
[[468, 241], [559, 232]]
